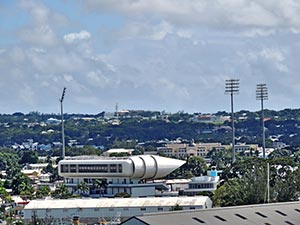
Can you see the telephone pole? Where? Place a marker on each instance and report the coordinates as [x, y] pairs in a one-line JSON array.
[[232, 88]]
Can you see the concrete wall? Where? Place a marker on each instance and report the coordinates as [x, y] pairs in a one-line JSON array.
[[143, 191]]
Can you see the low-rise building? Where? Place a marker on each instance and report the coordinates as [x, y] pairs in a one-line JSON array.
[[202, 183], [123, 174], [93, 211], [246, 148], [183, 150], [199, 184], [35, 172], [110, 152], [279, 145]]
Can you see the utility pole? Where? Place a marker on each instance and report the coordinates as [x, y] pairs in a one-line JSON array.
[[62, 123], [262, 94], [268, 182], [232, 88]]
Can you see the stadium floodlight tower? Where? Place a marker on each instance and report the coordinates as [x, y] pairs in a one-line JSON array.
[[262, 94], [232, 88], [62, 123]]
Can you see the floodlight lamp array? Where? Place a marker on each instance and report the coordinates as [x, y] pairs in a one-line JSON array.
[[232, 86], [63, 95], [261, 92]]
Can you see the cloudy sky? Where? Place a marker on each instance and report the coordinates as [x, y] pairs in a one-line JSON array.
[[171, 55]]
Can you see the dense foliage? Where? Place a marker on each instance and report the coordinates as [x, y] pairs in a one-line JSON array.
[[244, 182], [144, 126]]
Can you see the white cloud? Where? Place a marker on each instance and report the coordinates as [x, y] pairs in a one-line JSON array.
[[272, 54], [72, 37], [282, 68], [39, 64], [41, 14], [17, 54], [68, 77], [96, 78], [273, 57], [39, 35], [27, 94], [295, 30], [166, 55], [225, 13], [43, 22], [88, 100], [160, 31], [165, 87], [256, 32], [145, 30], [184, 33]]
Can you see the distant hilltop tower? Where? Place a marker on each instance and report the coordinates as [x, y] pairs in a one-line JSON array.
[[117, 111]]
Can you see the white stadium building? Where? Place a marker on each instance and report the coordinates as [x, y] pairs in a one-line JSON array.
[[134, 167], [124, 174]]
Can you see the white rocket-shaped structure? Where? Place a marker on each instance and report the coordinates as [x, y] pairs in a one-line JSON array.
[[133, 167]]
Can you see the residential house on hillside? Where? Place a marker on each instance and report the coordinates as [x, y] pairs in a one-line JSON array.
[[209, 118], [183, 150]]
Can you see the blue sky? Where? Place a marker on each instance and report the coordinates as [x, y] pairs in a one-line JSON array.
[[171, 55]]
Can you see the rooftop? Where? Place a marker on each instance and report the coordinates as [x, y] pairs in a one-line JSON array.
[[267, 214], [115, 202]]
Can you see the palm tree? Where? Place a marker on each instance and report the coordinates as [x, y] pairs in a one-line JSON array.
[[61, 192], [4, 195], [19, 182], [26, 190], [82, 187], [42, 192], [100, 185], [103, 186]]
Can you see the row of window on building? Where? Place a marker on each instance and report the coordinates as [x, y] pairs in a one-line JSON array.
[[91, 168], [124, 209], [201, 185], [184, 150]]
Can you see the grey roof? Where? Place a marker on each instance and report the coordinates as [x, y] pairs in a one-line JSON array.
[[265, 214]]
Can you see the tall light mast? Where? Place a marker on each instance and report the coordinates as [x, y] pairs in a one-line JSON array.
[[262, 94], [62, 123], [232, 88]]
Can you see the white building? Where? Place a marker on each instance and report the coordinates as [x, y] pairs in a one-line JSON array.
[[118, 151], [246, 148], [125, 174], [134, 167], [94, 211], [183, 150], [202, 183], [279, 145]]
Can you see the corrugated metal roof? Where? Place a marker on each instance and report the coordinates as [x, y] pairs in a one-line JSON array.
[[116, 202], [279, 213]]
